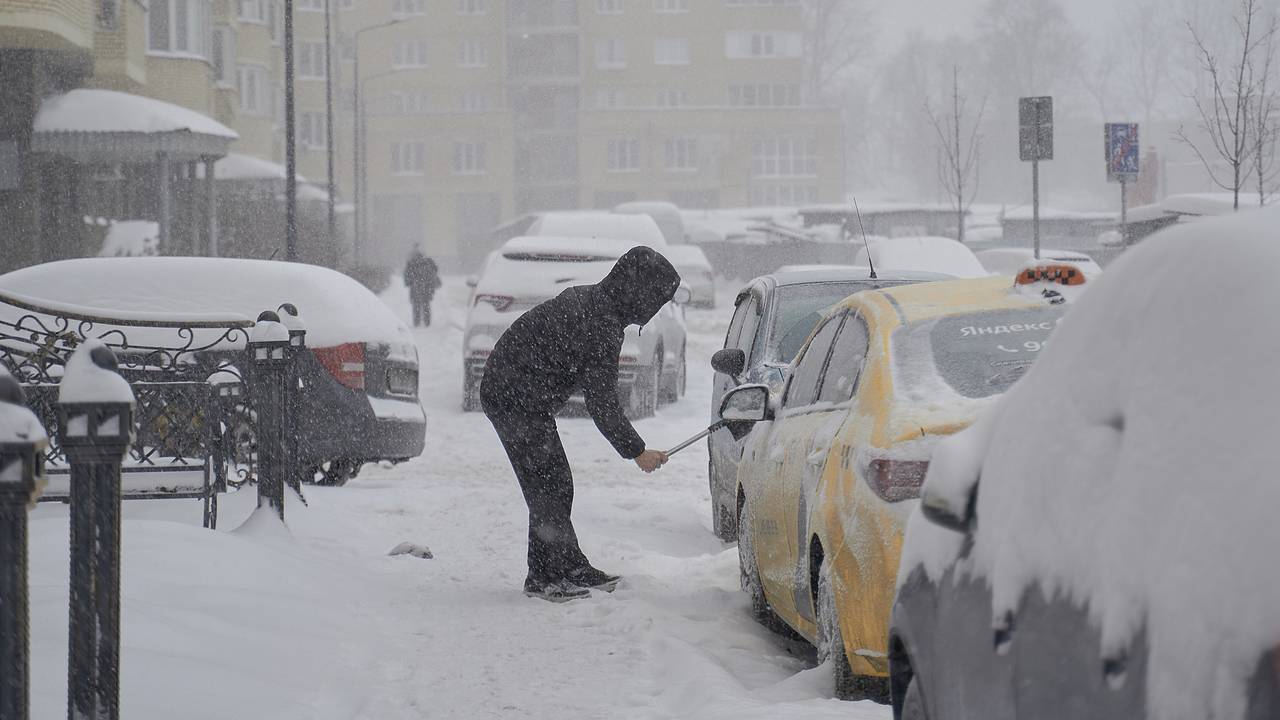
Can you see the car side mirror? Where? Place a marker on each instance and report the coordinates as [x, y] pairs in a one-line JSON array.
[[683, 294], [952, 510], [743, 407], [730, 361], [472, 281]]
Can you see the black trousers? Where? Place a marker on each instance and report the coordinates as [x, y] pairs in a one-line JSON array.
[[421, 309], [533, 446]]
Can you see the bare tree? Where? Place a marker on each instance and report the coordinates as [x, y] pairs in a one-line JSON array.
[[960, 150], [1029, 46], [1231, 89], [1266, 125], [838, 35], [1145, 31]]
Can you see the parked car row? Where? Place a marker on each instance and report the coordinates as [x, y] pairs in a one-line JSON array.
[[1061, 563]]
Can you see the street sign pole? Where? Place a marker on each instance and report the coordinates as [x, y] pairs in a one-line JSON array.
[[1120, 141], [1124, 210], [1035, 143], [1035, 205]]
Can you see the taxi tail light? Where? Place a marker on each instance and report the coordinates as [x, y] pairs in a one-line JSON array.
[[344, 362], [895, 480]]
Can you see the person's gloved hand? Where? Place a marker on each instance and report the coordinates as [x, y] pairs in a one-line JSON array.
[[651, 460]]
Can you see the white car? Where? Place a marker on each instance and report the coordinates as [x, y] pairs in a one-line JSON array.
[[922, 254], [694, 269], [1009, 260], [527, 271], [665, 214], [636, 229]]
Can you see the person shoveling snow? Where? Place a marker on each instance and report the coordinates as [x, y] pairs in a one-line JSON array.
[[569, 342]]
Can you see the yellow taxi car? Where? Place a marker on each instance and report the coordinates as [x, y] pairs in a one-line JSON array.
[[834, 464]]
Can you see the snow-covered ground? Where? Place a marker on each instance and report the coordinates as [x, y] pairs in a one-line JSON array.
[[318, 622]]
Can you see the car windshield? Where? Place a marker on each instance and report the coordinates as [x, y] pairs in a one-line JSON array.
[[800, 307], [976, 355]]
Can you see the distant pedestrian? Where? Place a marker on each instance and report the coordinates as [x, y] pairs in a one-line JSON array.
[[568, 343], [423, 279]]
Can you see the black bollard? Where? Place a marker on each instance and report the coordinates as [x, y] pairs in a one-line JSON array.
[[95, 430], [271, 358], [22, 443]]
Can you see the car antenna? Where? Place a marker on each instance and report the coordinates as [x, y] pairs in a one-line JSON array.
[[865, 244], [276, 250]]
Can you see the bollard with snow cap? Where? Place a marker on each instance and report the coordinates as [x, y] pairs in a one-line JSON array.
[[95, 430], [293, 398], [272, 357], [22, 443]]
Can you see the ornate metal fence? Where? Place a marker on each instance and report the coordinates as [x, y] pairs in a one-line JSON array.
[[195, 428]]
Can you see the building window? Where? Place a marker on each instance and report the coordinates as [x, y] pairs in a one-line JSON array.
[[473, 54], [783, 157], [611, 54], [765, 95], [623, 155], [408, 158], [671, 51], [472, 7], [469, 158], [743, 44], [310, 61], [274, 22], [409, 54], [254, 11], [475, 100], [108, 14], [254, 85], [311, 130], [671, 6], [179, 26], [609, 7], [610, 98], [309, 5], [669, 98], [682, 154], [346, 48], [409, 103], [405, 8], [224, 54]]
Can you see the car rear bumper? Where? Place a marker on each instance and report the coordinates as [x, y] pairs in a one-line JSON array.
[[627, 374]]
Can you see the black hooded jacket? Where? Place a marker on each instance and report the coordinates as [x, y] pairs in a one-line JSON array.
[[573, 340]]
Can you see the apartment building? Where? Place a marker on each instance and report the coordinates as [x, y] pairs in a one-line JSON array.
[[480, 110]]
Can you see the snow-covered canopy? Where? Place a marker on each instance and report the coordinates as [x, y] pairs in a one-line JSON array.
[[927, 254], [337, 308], [92, 111], [1150, 423]]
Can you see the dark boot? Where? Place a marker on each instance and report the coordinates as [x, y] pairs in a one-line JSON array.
[[556, 591], [590, 577]]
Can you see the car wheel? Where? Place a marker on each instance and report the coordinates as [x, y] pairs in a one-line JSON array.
[[644, 393], [749, 573], [334, 473], [470, 396], [831, 640], [913, 702]]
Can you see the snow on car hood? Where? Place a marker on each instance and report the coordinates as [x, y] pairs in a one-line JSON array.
[[336, 308], [1131, 469]]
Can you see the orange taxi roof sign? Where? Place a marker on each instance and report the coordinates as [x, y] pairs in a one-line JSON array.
[[1050, 273]]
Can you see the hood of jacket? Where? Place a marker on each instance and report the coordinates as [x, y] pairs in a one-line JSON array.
[[640, 283]]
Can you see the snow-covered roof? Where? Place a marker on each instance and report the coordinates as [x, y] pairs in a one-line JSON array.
[[929, 254], [238, 166], [131, 238], [87, 110], [86, 381], [1207, 203], [1025, 212], [1149, 504], [337, 308], [876, 208]]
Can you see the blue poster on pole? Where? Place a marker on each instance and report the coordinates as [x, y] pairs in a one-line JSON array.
[[1122, 151]]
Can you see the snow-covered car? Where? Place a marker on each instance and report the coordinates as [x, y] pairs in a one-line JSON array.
[[636, 229], [666, 215], [772, 317], [1008, 260], [926, 254], [828, 480], [695, 270], [360, 368], [527, 271], [1102, 542]]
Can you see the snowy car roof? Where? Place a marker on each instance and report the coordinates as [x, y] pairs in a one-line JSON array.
[[686, 255], [852, 272], [571, 247], [639, 229], [932, 254], [336, 308]]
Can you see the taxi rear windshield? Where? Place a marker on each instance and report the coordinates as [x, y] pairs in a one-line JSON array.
[[977, 355]]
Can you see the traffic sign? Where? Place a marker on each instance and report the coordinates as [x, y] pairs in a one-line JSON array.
[[1035, 128], [1121, 144]]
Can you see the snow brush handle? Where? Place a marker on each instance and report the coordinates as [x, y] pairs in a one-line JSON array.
[[695, 438]]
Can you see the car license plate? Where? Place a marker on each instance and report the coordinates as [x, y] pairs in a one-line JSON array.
[[402, 381]]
